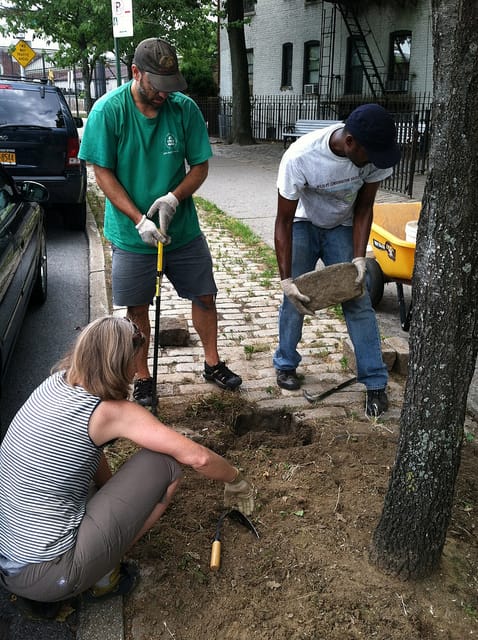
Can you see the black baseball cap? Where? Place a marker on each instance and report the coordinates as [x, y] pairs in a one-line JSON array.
[[373, 128], [158, 57]]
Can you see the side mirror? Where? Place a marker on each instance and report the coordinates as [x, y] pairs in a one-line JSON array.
[[78, 122], [34, 192]]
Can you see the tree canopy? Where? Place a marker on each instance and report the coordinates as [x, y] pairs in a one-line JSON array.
[[84, 32]]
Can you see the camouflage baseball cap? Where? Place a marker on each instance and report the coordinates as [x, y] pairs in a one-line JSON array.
[[159, 59]]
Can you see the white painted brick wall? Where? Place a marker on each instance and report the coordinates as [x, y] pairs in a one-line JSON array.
[[276, 22]]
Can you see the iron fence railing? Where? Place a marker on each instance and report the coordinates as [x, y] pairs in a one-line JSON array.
[[272, 113]]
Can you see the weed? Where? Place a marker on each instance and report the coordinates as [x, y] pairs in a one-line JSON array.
[[337, 311], [189, 563]]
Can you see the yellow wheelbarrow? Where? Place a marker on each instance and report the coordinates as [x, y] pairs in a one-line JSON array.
[[392, 239]]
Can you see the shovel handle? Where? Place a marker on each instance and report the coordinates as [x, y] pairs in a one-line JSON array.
[[215, 562]]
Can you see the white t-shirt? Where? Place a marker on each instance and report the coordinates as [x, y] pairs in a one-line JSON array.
[[325, 184]]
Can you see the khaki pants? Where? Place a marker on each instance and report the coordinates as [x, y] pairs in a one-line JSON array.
[[113, 518]]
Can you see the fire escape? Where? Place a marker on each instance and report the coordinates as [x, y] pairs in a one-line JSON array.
[[360, 35]]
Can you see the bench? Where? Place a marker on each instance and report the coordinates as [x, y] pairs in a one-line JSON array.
[[292, 132]]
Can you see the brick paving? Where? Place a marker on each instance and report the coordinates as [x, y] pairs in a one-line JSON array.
[[247, 336]]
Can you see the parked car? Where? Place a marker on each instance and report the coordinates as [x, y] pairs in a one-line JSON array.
[[23, 258], [39, 141]]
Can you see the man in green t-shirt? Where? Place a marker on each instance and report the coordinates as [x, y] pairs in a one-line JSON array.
[[139, 139]]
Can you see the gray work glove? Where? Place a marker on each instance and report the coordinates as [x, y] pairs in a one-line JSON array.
[[165, 206], [296, 297], [361, 266], [240, 494], [148, 231]]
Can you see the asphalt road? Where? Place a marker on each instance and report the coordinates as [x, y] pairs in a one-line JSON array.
[[47, 333]]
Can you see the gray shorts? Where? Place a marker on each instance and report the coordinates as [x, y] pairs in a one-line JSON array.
[[189, 270], [113, 518]]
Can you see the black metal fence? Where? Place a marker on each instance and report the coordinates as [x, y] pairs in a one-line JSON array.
[[271, 114]]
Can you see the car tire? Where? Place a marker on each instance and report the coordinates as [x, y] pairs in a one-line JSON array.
[[375, 281], [74, 216], [40, 287]]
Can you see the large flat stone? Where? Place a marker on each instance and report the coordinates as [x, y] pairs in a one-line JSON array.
[[329, 286], [173, 332]]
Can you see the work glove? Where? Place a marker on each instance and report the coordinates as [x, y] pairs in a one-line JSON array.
[[148, 231], [361, 266], [296, 297], [165, 206], [240, 494]]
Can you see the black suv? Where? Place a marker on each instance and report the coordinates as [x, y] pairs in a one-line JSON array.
[[39, 141]]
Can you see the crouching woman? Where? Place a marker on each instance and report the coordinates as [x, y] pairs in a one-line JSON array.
[[58, 538]]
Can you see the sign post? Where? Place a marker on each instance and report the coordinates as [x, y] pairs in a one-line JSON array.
[[122, 11]]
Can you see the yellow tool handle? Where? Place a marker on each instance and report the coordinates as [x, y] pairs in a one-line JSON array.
[[215, 556], [159, 269]]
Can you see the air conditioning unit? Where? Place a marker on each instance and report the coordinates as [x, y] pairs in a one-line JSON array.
[[310, 89]]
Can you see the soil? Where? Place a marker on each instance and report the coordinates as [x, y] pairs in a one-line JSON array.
[[320, 490]]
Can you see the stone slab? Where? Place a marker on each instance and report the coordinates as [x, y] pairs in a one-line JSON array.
[[330, 285], [173, 332]]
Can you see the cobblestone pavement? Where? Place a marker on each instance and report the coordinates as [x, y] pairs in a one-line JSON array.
[[247, 336], [248, 308]]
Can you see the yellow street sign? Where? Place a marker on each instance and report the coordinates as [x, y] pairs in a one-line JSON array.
[[23, 53]]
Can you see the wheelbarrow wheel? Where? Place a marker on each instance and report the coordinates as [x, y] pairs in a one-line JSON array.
[[375, 281]]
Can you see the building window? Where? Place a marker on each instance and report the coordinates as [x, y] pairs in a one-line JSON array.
[[399, 60], [250, 68], [311, 62], [286, 81], [353, 69], [249, 6]]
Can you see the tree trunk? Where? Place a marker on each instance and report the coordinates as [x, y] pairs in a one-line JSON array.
[[410, 536], [241, 131], [86, 75]]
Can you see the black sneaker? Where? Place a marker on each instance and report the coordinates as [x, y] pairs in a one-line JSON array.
[[143, 391], [125, 582], [376, 403], [288, 379], [222, 376]]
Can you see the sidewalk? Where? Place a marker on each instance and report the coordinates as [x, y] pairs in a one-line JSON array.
[[241, 182]]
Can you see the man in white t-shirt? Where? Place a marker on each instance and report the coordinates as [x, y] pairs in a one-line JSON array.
[[327, 184]]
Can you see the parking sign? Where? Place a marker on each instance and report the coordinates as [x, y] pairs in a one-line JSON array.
[[122, 11]]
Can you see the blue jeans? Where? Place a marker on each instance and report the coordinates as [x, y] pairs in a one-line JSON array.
[[309, 243]]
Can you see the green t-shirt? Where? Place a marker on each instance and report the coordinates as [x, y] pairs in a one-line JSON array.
[[148, 158]]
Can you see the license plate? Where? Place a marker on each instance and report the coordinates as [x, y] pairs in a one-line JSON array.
[[8, 156]]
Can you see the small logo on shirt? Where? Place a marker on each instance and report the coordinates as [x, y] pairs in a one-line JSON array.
[[170, 141]]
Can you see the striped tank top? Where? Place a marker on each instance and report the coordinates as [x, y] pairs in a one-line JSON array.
[[47, 461]]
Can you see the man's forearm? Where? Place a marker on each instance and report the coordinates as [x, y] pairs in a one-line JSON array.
[[191, 182], [116, 194]]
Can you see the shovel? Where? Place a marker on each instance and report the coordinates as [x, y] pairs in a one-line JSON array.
[[236, 515], [316, 397]]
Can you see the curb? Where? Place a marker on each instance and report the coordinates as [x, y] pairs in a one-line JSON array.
[[98, 620], [98, 300]]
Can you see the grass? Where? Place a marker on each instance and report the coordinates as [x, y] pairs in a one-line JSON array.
[[259, 251]]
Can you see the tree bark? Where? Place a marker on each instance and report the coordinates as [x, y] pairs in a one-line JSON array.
[[241, 130], [411, 533]]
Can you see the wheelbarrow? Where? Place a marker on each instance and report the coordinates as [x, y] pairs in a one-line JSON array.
[[393, 239]]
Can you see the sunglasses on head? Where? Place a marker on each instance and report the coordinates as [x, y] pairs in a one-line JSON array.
[[138, 337]]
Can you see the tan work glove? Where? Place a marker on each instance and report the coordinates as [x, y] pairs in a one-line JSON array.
[[296, 297], [148, 231], [239, 493], [165, 206], [361, 266]]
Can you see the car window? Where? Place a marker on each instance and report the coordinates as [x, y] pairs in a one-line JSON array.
[[30, 107]]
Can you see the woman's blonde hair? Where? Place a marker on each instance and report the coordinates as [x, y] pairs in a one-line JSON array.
[[102, 357]]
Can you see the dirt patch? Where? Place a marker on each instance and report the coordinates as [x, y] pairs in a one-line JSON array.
[[320, 490]]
